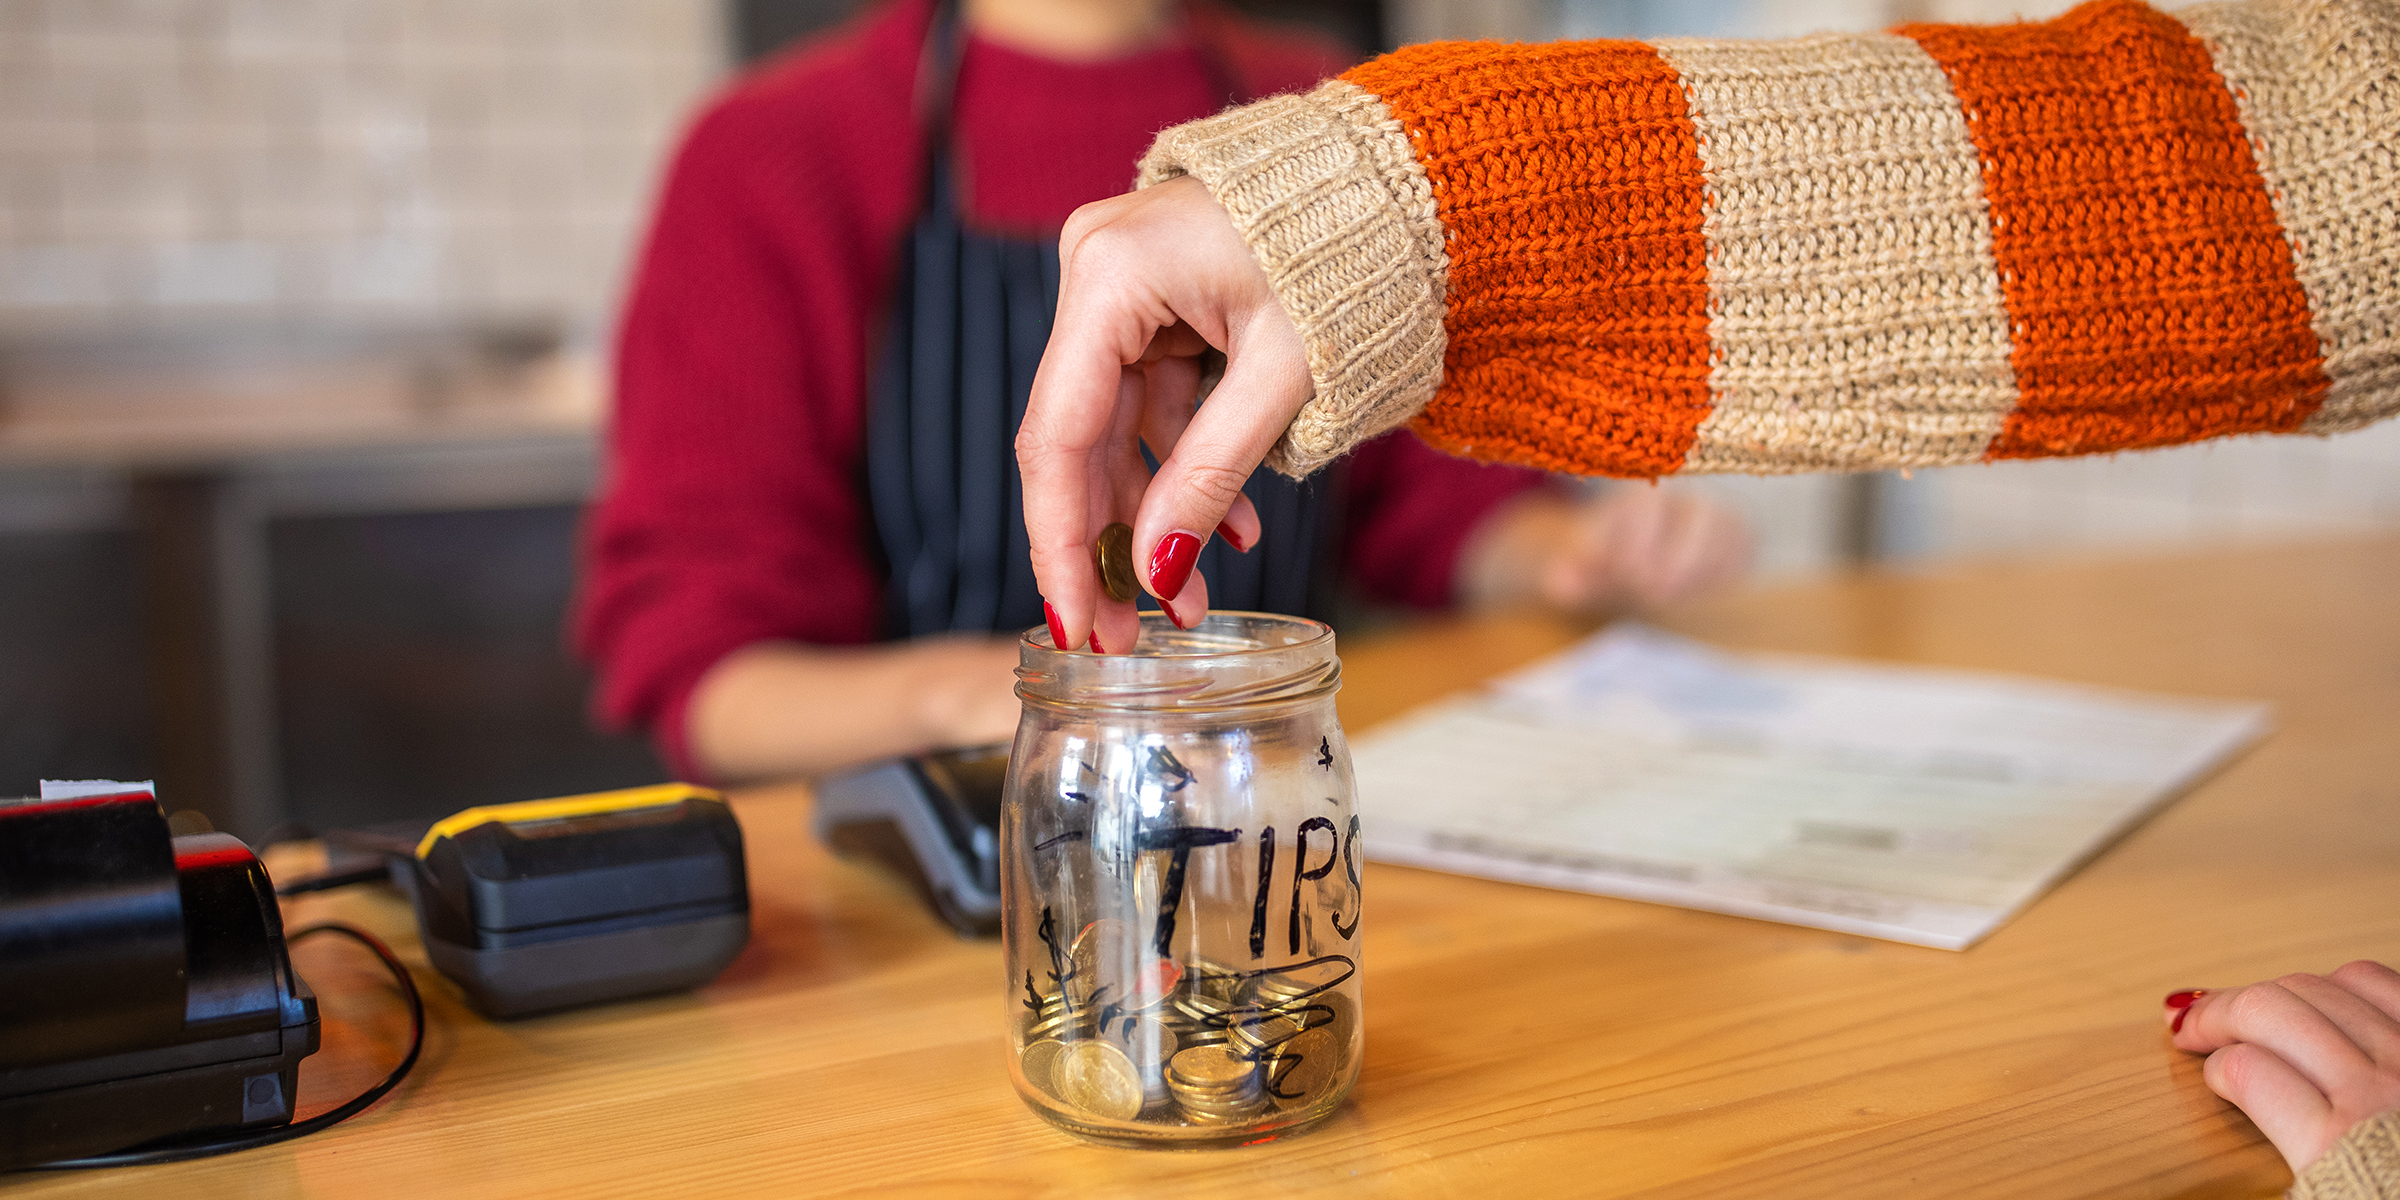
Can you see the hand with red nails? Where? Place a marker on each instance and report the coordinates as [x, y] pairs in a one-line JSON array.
[[2308, 1057], [1147, 283]]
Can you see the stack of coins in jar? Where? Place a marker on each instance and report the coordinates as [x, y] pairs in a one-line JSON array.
[[1181, 885]]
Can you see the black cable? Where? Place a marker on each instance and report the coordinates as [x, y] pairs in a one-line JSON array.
[[376, 873], [167, 1152]]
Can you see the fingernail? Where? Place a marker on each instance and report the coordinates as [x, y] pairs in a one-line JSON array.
[[1058, 632], [1170, 609], [1231, 538], [2181, 1002], [1171, 563], [1096, 643]]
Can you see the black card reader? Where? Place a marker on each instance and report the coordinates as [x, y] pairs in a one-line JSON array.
[[549, 904], [932, 818]]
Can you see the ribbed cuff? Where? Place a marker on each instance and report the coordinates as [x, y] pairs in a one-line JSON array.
[[1328, 193], [2364, 1165]]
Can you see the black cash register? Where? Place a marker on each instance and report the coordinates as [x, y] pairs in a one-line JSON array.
[[145, 988]]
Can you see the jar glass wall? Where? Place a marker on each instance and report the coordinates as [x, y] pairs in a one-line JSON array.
[[1180, 890]]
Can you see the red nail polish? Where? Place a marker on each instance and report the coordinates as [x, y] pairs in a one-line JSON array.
[[1170, 611], [1058, 632], [2180, 1014], [2184, 999], [1231, 538], [1171, 563], [1096, 643]]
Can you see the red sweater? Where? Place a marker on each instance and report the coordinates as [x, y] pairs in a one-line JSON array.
[[735, 510]]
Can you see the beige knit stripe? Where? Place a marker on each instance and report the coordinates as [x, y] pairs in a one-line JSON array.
[[1347, 358], [1326, 191], [2364, 1165], [2317, 83], [1855, 313], [1328, 248]]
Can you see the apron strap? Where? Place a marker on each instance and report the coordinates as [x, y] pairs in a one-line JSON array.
[[970, 317]]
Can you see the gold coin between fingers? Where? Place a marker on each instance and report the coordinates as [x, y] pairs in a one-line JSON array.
[[1097, 1078], [1114, 554]]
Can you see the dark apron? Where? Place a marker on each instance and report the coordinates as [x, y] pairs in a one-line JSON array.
[[970, 315]]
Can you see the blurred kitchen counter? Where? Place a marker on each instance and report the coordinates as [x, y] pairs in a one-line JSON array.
[[197, 437], [197, 399]]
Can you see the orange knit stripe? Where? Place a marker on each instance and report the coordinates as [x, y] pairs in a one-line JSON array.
[[1568, 180], [2150, 291]]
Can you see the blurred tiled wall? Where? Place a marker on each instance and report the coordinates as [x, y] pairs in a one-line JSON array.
[[331, 158], [2247, 489]]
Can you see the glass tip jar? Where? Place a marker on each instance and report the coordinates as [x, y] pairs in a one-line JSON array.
[[1180, 888]]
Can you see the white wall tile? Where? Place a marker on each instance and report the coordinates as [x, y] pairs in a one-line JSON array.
[[2247, 488], [159, 155]]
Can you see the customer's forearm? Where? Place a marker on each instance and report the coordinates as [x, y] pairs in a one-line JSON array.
[[780, 709], [1940, 245], [1500, 565]]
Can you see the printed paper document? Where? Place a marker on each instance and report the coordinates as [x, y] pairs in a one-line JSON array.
[[1915, 804]]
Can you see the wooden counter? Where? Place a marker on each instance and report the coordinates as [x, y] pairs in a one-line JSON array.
[[1520, 1042]]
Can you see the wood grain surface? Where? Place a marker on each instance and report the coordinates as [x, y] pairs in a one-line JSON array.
[[1520, 1042]]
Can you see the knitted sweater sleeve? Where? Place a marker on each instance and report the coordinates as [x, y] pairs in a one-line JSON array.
[[2364, 1165], [1943, 244]]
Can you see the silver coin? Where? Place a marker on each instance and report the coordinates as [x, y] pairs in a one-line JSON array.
[[1304, 1067], [1039, 1064], [1096, 1077]]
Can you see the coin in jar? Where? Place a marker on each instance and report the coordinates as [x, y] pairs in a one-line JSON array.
[[1339, 1018], [1214, 1085], [1097, 1078], [1148, 1044], [1304, 1067], [1142, 1038], [1212, 980], [1212, 1068], [1053, 1007], [1255, 1032], [1199, 1036], [1040, 1064], [1064, 1026], [1200, 1006], [1150, 984], [1114, 552], [1102, 962]]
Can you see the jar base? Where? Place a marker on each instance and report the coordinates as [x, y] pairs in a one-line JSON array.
[[1188, 1137]]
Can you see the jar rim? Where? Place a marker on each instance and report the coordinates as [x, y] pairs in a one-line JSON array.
[[1222, 663], [1156, 626]]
